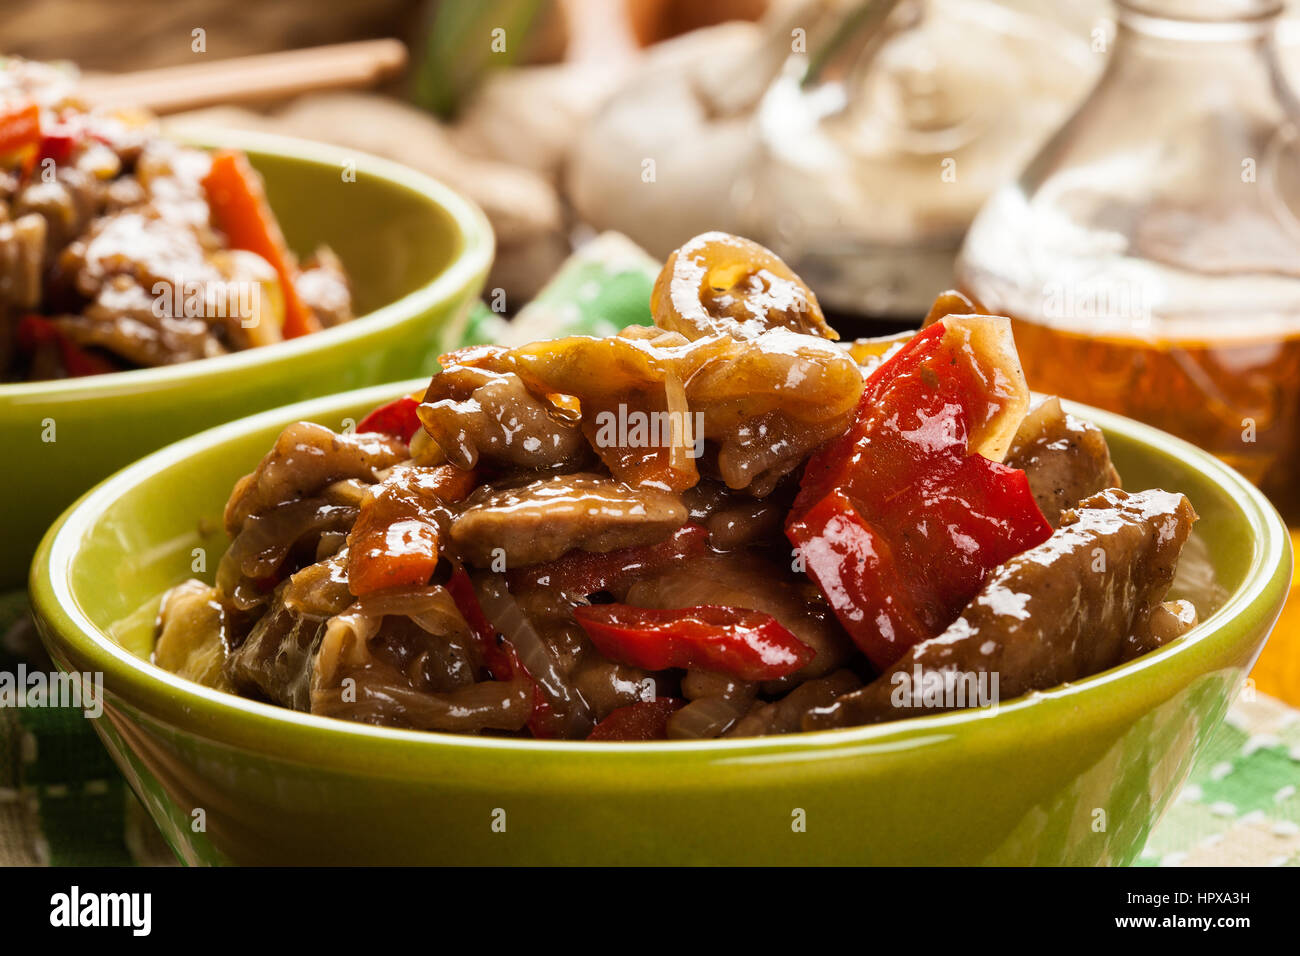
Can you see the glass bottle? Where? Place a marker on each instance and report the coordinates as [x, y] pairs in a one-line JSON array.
[[879, 145], [1150, 253]]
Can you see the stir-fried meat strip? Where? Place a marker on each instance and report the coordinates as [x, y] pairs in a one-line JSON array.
[[67, 203], [717, 703], [785, 716], [606, 685], [701, 684], [473, 412], [551, 648], [1064, 457], [408, 659], [136, 243], [736, 520], [320, 589], [172, 178], [323, 287], [306, 458], [397, 671], [434, 649], [1056, 613], [123, 319], [1162, 624], [545, 518]]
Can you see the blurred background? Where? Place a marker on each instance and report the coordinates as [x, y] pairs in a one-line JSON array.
[[547, 123], [1130, 168]]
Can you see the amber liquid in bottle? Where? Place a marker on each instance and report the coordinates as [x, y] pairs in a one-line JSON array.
[[1236, 396], [1151, 251]]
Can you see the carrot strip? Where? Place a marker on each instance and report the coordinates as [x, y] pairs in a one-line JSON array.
[[240, 210], [20, 134], [394, 542]]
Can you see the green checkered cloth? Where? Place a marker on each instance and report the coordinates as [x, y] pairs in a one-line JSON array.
[[63, 802]]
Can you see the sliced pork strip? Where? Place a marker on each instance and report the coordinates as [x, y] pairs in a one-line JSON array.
[[305, 459], [1164, 623], [784, 716], [1065, 458], [543, 519], [473, 413], [1056, 613]]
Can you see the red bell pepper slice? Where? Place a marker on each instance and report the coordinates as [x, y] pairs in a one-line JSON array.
[[240, 210], [58, 146], [897, 521], [859, 573], [35, 331], [644, 720], [58, 142], [397, 418], [499, 657], [397, 553], [745, 644], [588, 572], [930, 403]]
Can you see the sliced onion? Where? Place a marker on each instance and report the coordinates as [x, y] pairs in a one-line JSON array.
[[536, 656], [266, 540], [345, 646], [431, 608], [320, 589], [994, 347], [682, 446], [707, 717]]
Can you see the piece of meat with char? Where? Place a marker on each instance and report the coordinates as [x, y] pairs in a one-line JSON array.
[[306, 458], [1058, 612], [1065, 458], [544, 519]]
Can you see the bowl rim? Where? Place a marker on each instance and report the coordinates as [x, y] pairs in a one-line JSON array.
[[473, 258], [339, 742]]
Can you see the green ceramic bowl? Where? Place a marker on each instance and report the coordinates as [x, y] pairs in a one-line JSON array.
[[1078, 775], [417, 254]]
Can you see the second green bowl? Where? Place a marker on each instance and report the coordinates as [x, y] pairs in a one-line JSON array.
[[417, 254]]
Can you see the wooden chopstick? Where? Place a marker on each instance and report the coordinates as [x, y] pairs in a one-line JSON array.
[[249, 79]]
